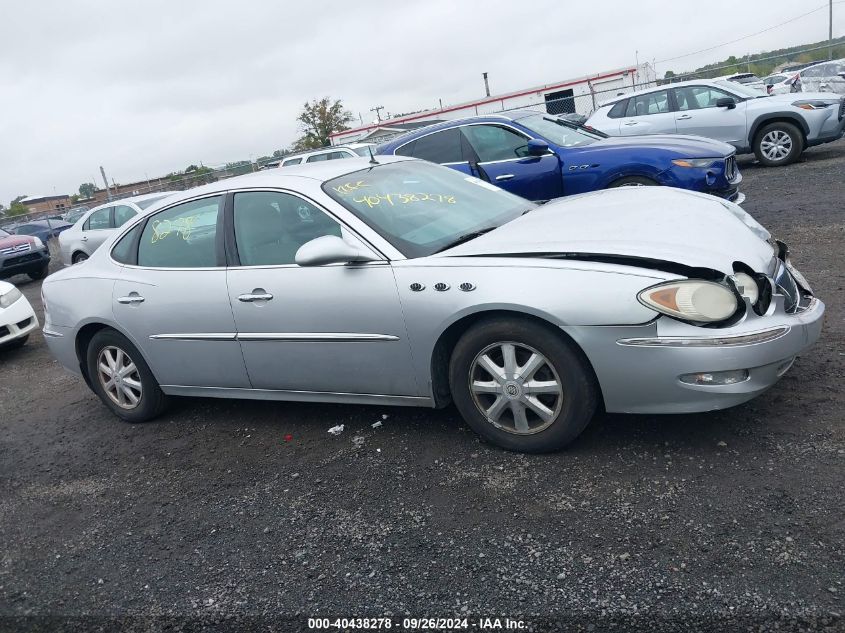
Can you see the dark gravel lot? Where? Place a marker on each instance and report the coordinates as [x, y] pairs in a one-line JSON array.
[[208, 519]]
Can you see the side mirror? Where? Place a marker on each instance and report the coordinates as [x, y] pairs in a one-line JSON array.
[[537, 147], [726, 102], [330, 249]]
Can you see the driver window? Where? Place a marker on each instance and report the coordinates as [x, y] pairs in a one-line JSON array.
[[271, 226], [492, 142], [698, 97]]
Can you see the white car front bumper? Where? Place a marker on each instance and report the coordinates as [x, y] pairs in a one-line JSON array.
[[17, 321]]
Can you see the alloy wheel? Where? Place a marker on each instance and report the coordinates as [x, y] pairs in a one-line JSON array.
[[119, 377], [776, 145], [516, 388]]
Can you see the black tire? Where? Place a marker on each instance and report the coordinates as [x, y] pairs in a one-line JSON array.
[[152, 400], [564, 363], [18, 342], [78, 257], [39, 273], [633, 181], [777, 130]]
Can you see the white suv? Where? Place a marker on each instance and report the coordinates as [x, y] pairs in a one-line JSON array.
[[777, 128], [352, 150]]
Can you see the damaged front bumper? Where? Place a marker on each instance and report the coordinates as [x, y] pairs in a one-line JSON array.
[[668, 366]]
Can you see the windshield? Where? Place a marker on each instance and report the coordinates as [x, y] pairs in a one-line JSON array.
[[3, 233], [559, 131], [421, 208], [745, 92], [148, 202]]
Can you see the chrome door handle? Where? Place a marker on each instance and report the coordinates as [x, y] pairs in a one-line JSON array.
[[683, 118], [504, 177], [631, 123], [261, 296], [84, 238], [131, 299]]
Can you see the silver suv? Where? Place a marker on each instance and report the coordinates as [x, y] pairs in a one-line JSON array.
[[352, 150], [777, 128]]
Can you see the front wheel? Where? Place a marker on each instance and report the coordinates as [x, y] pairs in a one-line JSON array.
[[39, 273], [122, 379], [632, 181], [778, 144], [78, 258], [521, 385]]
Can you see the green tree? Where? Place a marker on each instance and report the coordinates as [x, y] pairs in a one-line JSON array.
[[319, 119], [16, 207], [87, 189]]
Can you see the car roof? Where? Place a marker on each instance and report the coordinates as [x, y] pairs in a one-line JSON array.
[[321, 150], [826, 61], [139, 198], [287, 178], [510, 116], [677, 84]]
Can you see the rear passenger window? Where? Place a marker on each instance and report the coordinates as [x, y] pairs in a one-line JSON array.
[[183, 236], [618, 109], [440, 147], [122, 214], [651, 103], [317, 157]]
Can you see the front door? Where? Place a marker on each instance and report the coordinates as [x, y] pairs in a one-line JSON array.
[[648, 113], [503, 159], [334, 328], [173, 297], [698, 114]]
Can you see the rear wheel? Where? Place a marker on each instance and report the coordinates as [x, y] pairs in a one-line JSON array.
[[121, 378], [778, 144], [79, 257], [521, 386], [633, 181]]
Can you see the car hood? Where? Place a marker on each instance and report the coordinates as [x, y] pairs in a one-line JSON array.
[[682, 145], [15, 240], [788, 98], [655, 223]]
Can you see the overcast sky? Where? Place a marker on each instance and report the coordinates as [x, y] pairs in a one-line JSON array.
[[151, 87]]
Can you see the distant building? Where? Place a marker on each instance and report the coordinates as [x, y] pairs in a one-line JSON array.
[[581, 95], [47, 204]]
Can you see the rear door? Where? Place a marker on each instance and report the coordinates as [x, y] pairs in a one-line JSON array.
[[648, 113], [96, 228], [698, 114], [501, 156]]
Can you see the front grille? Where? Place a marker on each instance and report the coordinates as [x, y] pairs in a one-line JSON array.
[[4, 331], [21, 259], [25, 323], [19, 248], [730, 168]]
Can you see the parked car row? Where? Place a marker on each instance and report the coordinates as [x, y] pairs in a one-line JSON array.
[[822, 77]]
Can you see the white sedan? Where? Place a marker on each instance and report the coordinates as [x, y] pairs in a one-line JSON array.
[[17, 318]]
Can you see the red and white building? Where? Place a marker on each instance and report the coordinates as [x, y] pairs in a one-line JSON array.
[[581, 95]]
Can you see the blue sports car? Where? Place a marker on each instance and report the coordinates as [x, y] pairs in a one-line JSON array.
[[540, 156]]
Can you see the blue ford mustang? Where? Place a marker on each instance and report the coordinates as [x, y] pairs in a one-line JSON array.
[[540, 156]]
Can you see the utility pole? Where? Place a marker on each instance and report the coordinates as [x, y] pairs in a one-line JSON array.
[[486, 84], [377, 109], [106, 180], [830, 30]]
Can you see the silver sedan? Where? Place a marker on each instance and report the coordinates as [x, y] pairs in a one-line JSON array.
[[405, 283]]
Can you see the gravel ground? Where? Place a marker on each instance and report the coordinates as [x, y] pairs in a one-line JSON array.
[[208, 519]]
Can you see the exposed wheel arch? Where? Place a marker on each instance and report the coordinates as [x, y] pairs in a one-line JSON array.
[[447, 340], [75, 258], [83, 339], [633, 181], [778, 117]]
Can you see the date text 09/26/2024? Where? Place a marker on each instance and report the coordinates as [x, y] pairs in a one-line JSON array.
[[422, 624]]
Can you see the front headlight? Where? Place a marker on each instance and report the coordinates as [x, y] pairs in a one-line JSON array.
[[815, 104], [701, 163], [10, 297], [691, 300], [747, 287], [38, 243]]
